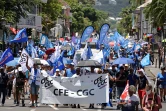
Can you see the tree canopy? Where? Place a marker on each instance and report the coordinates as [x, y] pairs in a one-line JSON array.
[[157, 10], [84, 14], [13, 10]]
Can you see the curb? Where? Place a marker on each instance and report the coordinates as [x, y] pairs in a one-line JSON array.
[[148, 69], [152, 73]]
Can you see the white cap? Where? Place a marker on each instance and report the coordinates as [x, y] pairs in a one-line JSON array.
[[20, 69], [72, 63], [57, 70], [141, 70], [126, 65]]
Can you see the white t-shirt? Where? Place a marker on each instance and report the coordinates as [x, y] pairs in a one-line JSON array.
[[16, 71], [134, 97], [131, 102], [75, 75]]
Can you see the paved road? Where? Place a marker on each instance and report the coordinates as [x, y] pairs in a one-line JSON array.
[[9, 106]]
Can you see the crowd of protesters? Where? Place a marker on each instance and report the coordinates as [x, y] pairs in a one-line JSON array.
[[14, 81]]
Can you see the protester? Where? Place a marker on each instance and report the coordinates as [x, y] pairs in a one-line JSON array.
[[57, 73], [126, 69], [3, 84], [120, 79], [77, 75], [70, 71], [112, 82], [132, 78], [91, 106], [132, 102], [142, 82], [34, 81], [151, 101], [161, 79], [19, 85], [10, 83]]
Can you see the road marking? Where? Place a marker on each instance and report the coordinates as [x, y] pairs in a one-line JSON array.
[[99, 108], [83, 109], [52, 106], [38, 104], [33, 110]]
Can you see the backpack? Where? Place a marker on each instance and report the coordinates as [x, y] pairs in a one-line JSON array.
[[20, 80]]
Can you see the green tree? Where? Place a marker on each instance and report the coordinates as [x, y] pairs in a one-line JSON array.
[[50, 12], [92, 2], [156, 10], [13, 10], [125, 25]]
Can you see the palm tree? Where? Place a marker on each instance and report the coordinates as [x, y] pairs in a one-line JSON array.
[[156, 10], [136, 2]]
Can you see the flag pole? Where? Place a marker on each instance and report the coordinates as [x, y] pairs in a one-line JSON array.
[[153, 94]]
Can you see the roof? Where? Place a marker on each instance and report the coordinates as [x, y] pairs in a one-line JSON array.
[[144, 5]]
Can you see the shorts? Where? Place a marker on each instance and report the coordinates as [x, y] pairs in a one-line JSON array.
[[161, 86], [141, 93], [34, 89]]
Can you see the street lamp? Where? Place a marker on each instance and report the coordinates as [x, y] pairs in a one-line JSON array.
[[3, 23], [164, 39]]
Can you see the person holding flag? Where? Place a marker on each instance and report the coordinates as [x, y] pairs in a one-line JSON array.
[[34, 81]]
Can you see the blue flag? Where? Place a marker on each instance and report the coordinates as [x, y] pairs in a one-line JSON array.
[[33, 52], [87, 33], [118, 38], [145, 61], [59, 63], [72, 51], [103, 32], [45, 41], [6, 57], [89, 53], [20, 37], [137, 47], [125, 44], [40, 53]]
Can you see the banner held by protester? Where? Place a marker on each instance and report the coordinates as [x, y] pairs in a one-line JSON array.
[[85, 89]]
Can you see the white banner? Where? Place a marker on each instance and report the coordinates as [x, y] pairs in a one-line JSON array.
[[85, 89], [23, 59]]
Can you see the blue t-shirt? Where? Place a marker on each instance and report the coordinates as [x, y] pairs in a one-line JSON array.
[[162, 77], [70, 72], [132, 79]]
